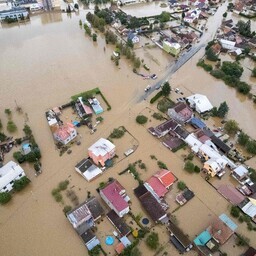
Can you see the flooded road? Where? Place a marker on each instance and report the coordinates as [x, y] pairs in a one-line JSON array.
[[42, 63]]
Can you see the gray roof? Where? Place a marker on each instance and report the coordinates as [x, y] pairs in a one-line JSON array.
[[95, 208]]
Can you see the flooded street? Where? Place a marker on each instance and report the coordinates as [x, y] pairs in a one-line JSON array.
[[45, 61]]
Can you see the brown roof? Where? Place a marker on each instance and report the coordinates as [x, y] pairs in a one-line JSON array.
[[152, 207], [168, 125], [220, 231], [231, 194], [250, 252], [216, 48], [119, 223]]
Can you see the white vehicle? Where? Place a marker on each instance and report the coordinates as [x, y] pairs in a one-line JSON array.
[[147, 88]]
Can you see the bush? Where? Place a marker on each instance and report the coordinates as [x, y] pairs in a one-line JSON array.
[[162, 165], [55, 191], [156, 97], [158, 116], [242, 240], [251, 147], [243, 87], [141, 119], [58, 197], [3, 137], [27, 130], [117, 133], [206, 67], [20, 184], [232, 69], [197, 169], [190, 156], [181, 185], [217, 73], [5, 197], [63, 185], [7, 111], [99, 118], [235, 212], [94, 37], [231, 127], [18, 156], [152, 241], [189, 167], [243, 138], [31, 157], [11, 126], [67, 208]]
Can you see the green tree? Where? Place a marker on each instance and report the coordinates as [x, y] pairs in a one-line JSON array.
[[94, 37], [189, 167], [223, 109], [129, 43], [254, 72], [243, 138], [11, 126], [3, 137], [5, 197], [181, 185], [232, 69], [231, 127], [137, 63], [235, 212], [210, 55], [251, 147], [135, 252], [164, 17], [18, 185], [7, 111], [31, 157], [141, 119], [18, 156], [166, 89], [243, 87], [244, 28], [1, 125], [67, 208], [27, 130], [152, 241], [37, 166]]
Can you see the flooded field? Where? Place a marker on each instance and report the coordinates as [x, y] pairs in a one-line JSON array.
[[45, 61]]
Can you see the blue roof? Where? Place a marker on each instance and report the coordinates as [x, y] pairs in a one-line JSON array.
[[203, 238], [228, 221], [198, 122]]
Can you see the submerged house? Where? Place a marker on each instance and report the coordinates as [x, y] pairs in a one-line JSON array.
[[181, 113], [200, 103], [116, 198], [102, 151], [8, 174], [154, 209], [81, 218], [65, 133]]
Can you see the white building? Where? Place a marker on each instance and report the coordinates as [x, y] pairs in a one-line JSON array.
[[193, 142], [226, 44], [8, 174], [200, 103], [50, 4], [88, 170], [64, 134]]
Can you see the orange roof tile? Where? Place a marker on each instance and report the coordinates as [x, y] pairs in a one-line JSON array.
[[119, 248], [165, 177]]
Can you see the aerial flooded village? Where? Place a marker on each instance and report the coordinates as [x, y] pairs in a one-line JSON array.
[[128, 127]]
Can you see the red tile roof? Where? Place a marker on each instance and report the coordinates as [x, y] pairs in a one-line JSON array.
[[113, 193], [157, 186], [119, 248], [165, 177]]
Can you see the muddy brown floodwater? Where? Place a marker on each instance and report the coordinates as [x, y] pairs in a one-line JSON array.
[[45, 61]]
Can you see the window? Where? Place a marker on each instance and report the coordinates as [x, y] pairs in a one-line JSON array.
[[4, 187], [20, 175], [11, 182]]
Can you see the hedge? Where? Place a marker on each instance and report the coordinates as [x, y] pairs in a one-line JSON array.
[[156, 97]]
